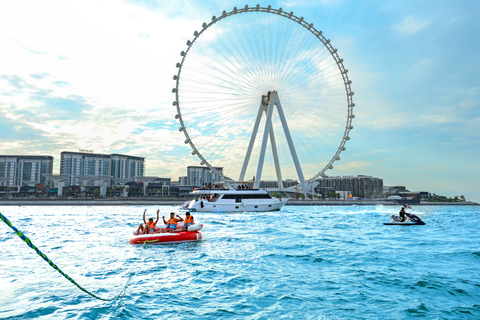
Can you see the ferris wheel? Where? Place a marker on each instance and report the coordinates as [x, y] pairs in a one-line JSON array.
[[260, 92]]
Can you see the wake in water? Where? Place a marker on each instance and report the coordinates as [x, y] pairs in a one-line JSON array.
[[341, 263]]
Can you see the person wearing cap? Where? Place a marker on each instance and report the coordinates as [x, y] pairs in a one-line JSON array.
[[148, 227]]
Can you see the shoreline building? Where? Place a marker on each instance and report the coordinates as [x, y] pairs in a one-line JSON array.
[[198, 175], [393, 190], [273, 184], [183, 181], [81, 164], [16, 170], [360, 186], [125, 167], [89, 169], [159, 187], [118, 166]]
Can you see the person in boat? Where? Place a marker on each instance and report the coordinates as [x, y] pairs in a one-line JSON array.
[[188, 221], [148, 227], [172, 222]]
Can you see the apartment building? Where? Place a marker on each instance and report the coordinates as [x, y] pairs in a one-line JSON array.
[[17, 170], [99, 167], [197, 175], [360, 186]]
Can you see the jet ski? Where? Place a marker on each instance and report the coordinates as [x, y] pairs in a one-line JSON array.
[[410, 220]]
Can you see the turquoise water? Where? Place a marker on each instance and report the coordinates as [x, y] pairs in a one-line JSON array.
[[302, 262]]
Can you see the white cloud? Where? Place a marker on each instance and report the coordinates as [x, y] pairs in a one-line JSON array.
[[308, 3], [94, 75], [374, 151], [100, 52], [352, 166], [411, 24]]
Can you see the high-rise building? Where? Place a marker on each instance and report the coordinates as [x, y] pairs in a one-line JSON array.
[[360, 186], [28, 170], [197, 176], [124, 167], [79, 165]]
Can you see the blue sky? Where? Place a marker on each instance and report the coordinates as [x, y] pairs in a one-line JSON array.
[[98, 75]]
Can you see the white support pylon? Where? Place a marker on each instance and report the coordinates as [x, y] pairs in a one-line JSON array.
[[275, 159], [261, 109], [273, 101], [263, 148]]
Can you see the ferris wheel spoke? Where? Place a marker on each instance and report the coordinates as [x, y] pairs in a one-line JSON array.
[[232, 79], [234, 61], [217, 126]]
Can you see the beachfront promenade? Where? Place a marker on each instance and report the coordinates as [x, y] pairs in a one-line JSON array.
[[181, 201]]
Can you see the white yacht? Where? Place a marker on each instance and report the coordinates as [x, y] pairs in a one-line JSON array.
[[233, 196]]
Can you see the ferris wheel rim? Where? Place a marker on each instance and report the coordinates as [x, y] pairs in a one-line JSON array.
[[309, 27]]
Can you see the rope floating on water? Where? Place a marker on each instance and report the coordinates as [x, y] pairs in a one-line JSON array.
[[54, 266]]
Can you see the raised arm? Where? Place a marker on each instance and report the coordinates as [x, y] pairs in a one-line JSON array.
[[158, 217], [179, 218], [164, 221], [144, 221]]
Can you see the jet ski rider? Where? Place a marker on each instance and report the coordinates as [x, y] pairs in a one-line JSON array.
[[402, 214]]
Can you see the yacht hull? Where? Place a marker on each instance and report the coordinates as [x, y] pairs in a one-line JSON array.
[[206, 206]]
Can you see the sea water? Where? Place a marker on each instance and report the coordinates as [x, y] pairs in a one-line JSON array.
[[303, 262]]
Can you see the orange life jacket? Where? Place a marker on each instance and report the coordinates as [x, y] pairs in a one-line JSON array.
[[188, 221], [151, 225], [172, 224]]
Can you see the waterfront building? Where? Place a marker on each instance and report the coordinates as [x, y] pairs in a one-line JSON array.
[[159, 187], [158, 182], [414, 195], [393, 190], [80, 165], [17, 170], [180, 191], [361, 186], [93, 169], [273, 184], [124, 167], [183, 181], [404, 193], [198, 175]]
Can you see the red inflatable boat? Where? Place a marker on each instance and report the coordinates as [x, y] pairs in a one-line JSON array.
[[169, 238]]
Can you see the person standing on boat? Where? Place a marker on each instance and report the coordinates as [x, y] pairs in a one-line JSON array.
[[148, 227], [172, 222], [188, 221]]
